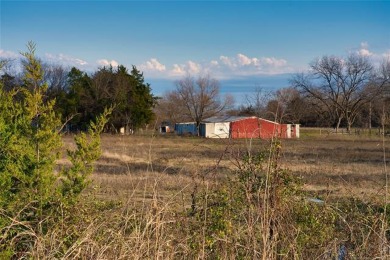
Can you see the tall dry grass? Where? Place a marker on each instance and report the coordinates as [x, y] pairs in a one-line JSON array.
[[168, 197]]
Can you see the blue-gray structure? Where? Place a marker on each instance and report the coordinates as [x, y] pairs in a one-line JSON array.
[[188, 128]]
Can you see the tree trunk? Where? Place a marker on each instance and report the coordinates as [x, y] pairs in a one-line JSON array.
[[349, 126], [338, 124]]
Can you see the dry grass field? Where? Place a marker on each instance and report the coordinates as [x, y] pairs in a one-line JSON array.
[[331, 166], [158, 196]]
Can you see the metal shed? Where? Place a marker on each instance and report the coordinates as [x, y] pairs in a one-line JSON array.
[[216, 127], [188, 128], [252, 127], [289, 131], [246, 127]]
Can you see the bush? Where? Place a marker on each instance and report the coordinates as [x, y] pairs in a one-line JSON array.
[[33, 193]]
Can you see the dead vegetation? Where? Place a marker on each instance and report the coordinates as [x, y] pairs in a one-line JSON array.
[[337, 166], [170, 197]]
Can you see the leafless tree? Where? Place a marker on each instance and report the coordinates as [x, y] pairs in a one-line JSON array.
[[56, 77], [169, 108], [257, 102], [200, 97], [342, 86], [287, 105], [9, 74]]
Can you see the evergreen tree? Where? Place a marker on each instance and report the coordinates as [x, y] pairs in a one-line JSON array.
[[31, 191], [142, 100], [129, 94]]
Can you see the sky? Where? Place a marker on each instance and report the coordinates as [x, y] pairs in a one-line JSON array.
[[246, 45]]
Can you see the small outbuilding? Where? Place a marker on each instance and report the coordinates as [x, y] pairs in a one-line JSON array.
[[166, 127], [246, 127], [254, 127], [216, 127], [188, 128], [289, 131]]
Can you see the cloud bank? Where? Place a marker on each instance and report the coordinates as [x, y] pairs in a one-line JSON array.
[[65, 60], [376, 58], [105, 62], [9, 55], [223, 67]]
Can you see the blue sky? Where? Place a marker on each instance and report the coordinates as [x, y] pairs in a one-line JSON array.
[[244, 44]]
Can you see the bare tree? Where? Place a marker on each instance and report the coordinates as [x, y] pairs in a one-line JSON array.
[[343, 87], [200, 97], [257, 102], [169, 108], [287, 106], [56, 76]]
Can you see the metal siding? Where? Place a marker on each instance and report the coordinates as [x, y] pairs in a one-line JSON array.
[[289, 131], [283, 133], [202, 129], [246, 128], [255, 128], [209, 129], [221, 130], [186, 128], [269, 129], [295, 131]]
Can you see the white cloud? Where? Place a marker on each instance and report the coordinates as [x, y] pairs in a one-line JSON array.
[[193, 68], [386, 55], [9, 55], [65, 59], [364, 50], [153, 65], [178, 70], [104, 62], [242, 64], [364, 45], [274, 62], [243, 60], [376, 57], [226, 61], [214, 63], [225, 67], [190, 67]]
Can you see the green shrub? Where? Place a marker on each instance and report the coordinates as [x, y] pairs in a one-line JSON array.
[[33, 193]]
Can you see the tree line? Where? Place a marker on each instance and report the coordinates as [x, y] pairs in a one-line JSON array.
[[335, 92], [81, 96]]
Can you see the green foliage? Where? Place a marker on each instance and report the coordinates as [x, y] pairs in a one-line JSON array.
[[129, 95], [29, 141], [32, 192], [143, 101], [88, 150], [81, 97], [212, 222], [262, 208], [315, 226]]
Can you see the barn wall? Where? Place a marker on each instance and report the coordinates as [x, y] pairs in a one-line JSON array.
[[270, 129], [246, 128], [221, 130], [251, 127], [206, 129], [215, 130], [289, 131], [257, 128], [284, 131], [186, 128]]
